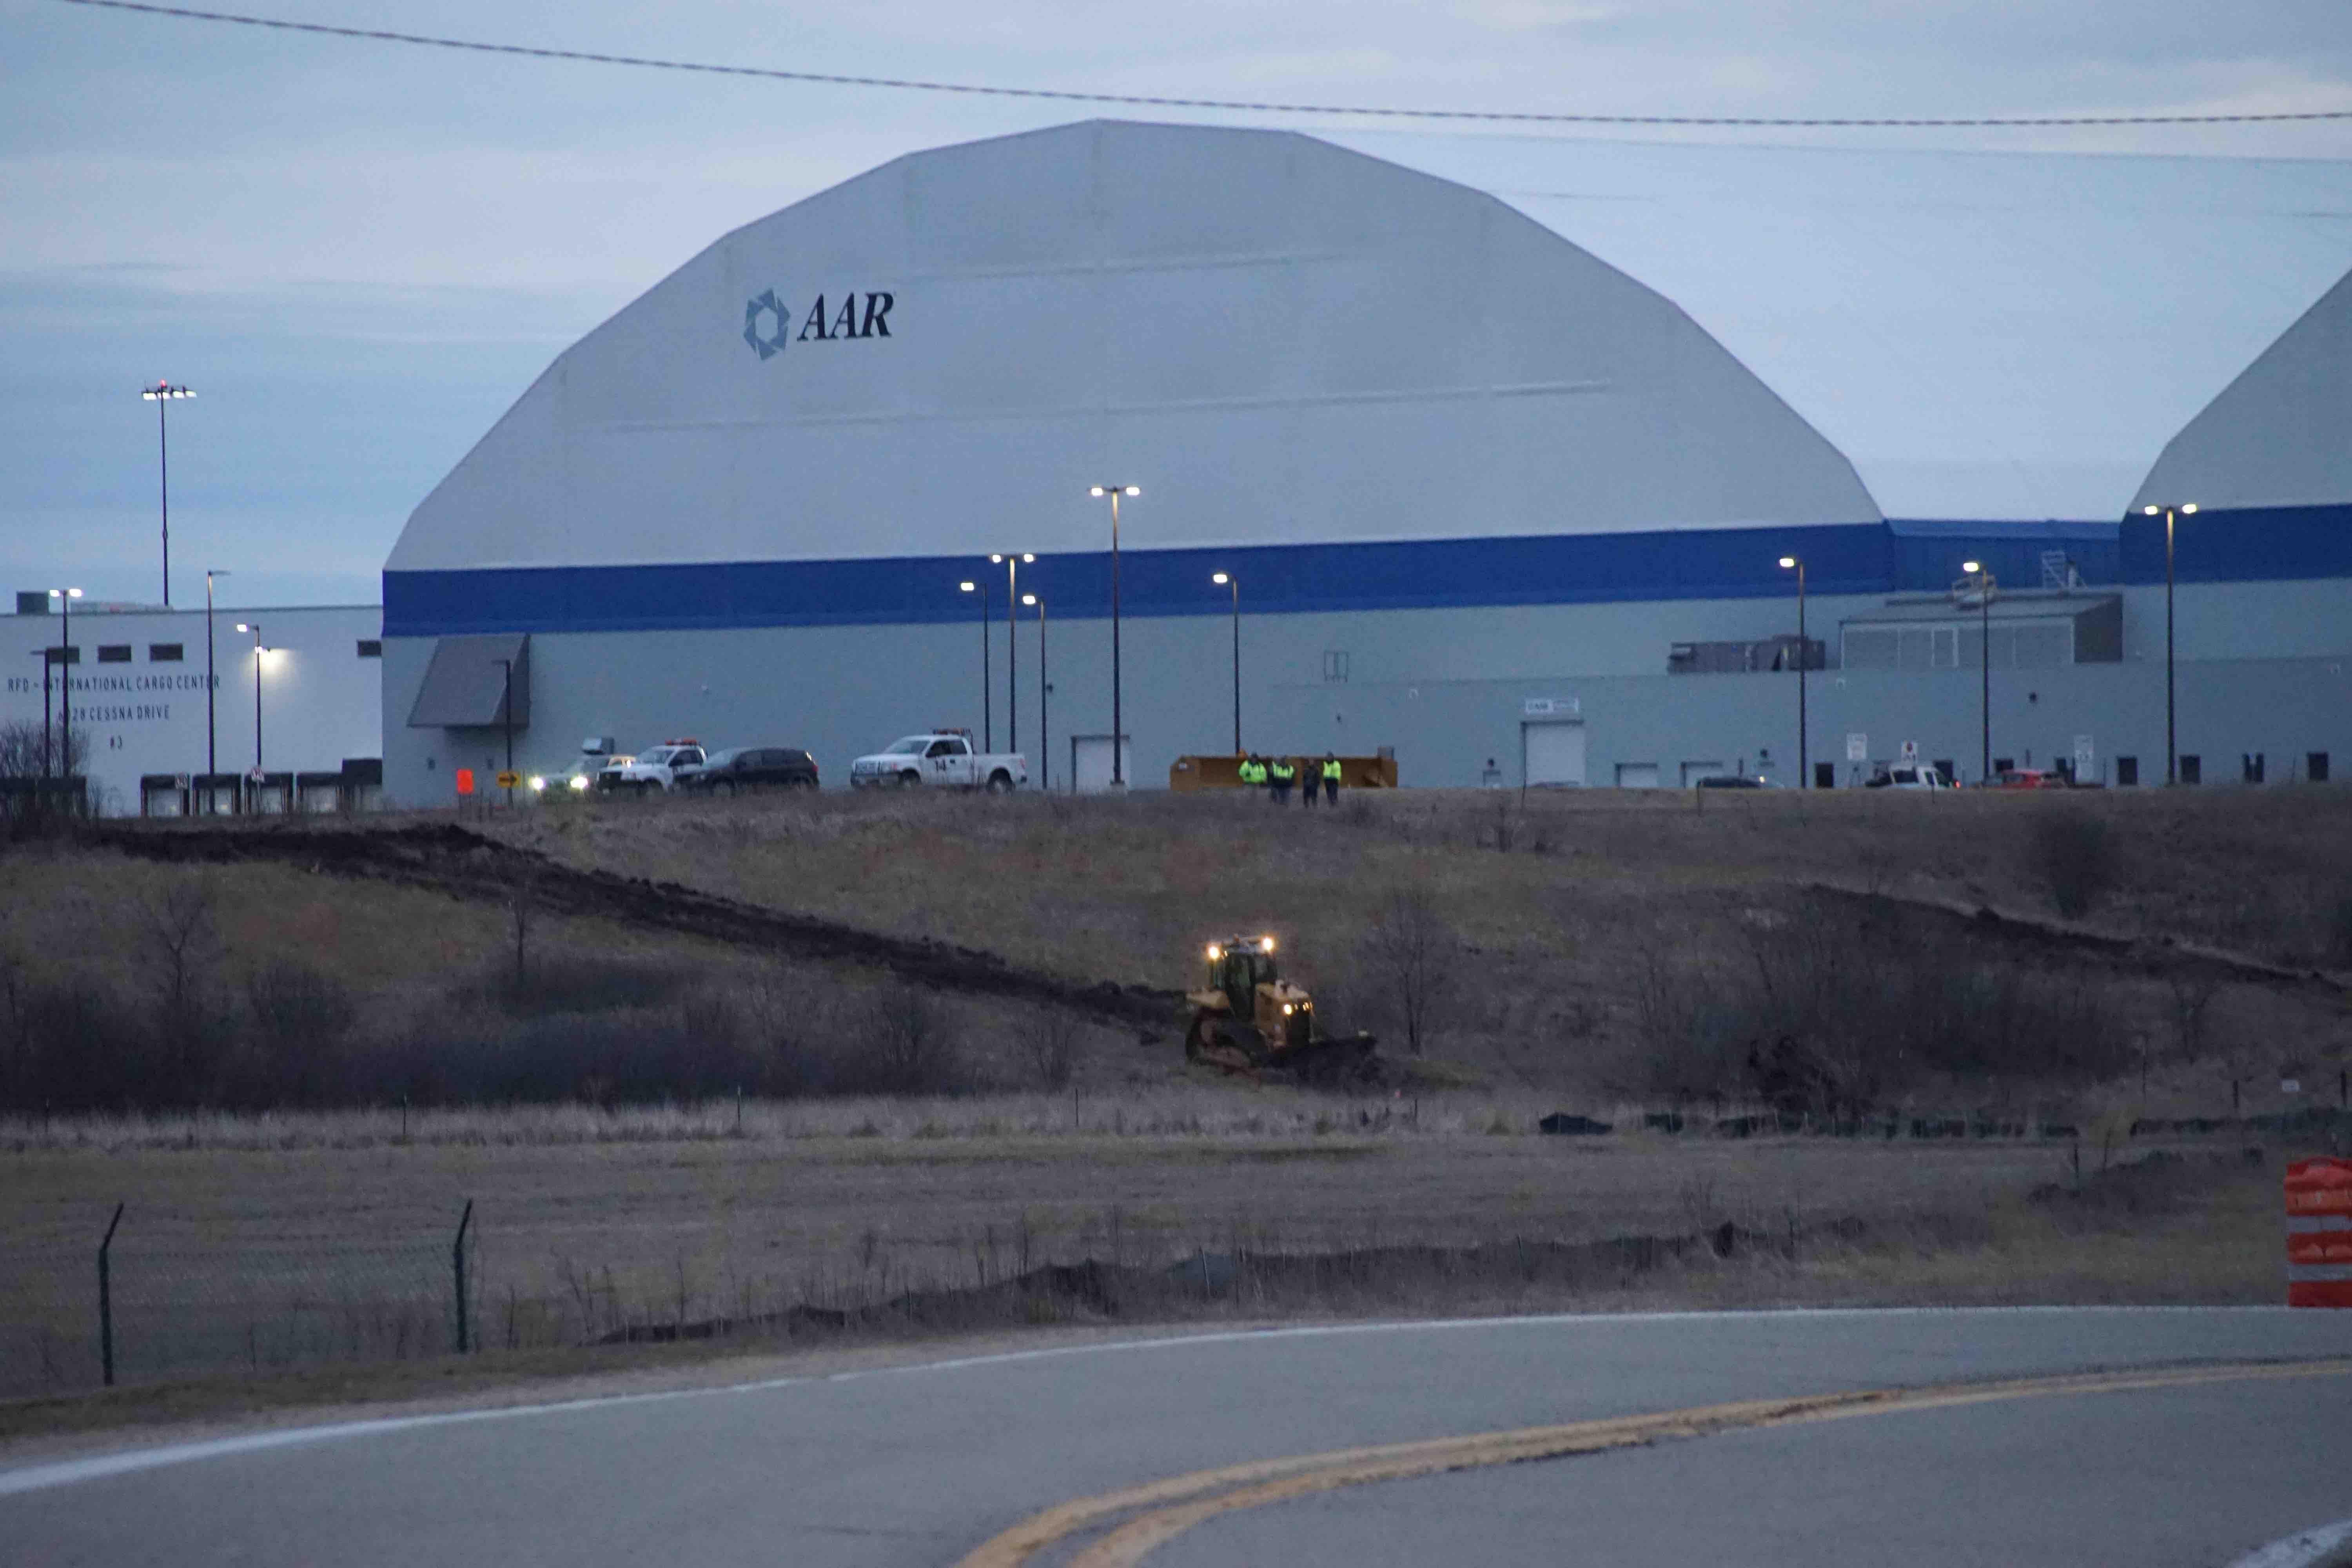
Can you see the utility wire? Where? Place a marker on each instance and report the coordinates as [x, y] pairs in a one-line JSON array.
[[373, 35]]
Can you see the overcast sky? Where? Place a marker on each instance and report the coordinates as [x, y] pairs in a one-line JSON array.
[[359, 255]]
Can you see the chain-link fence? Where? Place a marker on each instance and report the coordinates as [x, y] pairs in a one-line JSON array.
[[162, 1300]]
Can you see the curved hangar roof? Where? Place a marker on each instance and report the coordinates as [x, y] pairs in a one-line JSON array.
[[1304, 345], [1288, 343]]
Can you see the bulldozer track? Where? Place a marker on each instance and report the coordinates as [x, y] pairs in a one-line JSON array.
[[456, 860]]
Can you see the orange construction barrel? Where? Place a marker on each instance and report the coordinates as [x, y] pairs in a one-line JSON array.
[[2319, 1233]]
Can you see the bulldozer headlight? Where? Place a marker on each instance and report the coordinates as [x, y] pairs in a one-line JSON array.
[[1216, 952], [1265, 944], [1287, 1009]]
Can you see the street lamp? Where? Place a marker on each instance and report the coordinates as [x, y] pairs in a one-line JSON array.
[[1045, 740], [505, 718], [65, 598], [44, 656], [1226, 579], [1013, 564], [1984, 658], [255, 627], [1118, 733], [987, 698], [212, 724], [162, 395], [1804, 662], [2171, 750]]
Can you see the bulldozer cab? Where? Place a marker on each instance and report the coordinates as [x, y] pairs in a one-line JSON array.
[[1238, 966]]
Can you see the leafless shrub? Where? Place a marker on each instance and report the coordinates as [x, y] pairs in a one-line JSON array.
[[1051, 1047], [2192, 993], [300, 1015], [905, 1044], [1411, 952], [2077, 855]]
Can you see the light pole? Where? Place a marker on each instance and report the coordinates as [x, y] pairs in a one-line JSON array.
[[2171, 745], [1013, 564], [162, 395], [1045, 739], [506, 719], [1226, 579], [1118, 733], [1804, 663], [255, 627], [211, 722], [44, 656], [1983, 574], [987, 697], [65, 598]]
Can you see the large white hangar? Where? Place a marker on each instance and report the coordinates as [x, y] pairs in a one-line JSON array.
[[1502, 440]]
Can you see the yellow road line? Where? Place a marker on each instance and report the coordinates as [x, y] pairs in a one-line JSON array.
[[1171, 1506]]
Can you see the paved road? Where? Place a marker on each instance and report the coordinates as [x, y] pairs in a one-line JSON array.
[[921, 1465]]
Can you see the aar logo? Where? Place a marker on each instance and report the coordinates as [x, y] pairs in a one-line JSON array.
[[768, 321], [771, 344]]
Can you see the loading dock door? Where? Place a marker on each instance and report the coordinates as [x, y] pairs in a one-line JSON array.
[[1693, 772], [1551, 755], [1090, 763], [1637, 775]]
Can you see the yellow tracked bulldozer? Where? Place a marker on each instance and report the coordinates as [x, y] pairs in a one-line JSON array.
[[1250, 1020]]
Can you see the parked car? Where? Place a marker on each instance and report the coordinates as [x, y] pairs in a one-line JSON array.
[[654, 768], [1733, 780], [938, 757], [1908, 776], [739, 768], [2028, 778]]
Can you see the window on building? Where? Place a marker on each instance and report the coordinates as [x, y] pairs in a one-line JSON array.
[[1825, 775], [2314, 767], [1869, 648], [164, 653], [2251, 766], [2126, 771], [2193, 769], [370, 647], [1335, 663], [114, 653], [1944, 652], [66, 655]]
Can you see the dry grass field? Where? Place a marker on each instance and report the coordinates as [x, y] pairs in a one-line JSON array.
[[1588, 941]]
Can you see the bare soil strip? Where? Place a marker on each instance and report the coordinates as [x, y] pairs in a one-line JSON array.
[[446, 858]]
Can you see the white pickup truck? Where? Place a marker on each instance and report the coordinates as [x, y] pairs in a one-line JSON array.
[[655, 769], [938, 757]]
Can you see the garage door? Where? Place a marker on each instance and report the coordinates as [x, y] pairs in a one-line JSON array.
[[1553, 753], [1090, 763], [1693, 772], [1637, 775]]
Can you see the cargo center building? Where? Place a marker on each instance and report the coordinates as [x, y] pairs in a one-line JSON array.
[[1503, 439]]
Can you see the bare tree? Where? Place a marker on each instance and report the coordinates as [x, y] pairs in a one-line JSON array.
[[179, 937], [522, 908], [22, 751], [1410, 951]]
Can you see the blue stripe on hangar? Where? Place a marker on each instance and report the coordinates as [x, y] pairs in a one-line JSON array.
[[1917, 556], [1560, 569]]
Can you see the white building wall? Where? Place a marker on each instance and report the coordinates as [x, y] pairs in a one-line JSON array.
[[322, 703]]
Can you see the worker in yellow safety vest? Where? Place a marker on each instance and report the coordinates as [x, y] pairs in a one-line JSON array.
[[1330, 779], [1253, 773], [1283, 773]]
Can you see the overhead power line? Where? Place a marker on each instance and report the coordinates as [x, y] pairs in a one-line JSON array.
[[906, 84]]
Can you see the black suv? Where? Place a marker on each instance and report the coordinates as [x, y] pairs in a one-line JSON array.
[[750, 768]]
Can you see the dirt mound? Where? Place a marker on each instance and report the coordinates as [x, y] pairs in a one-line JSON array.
[[451, 859]]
